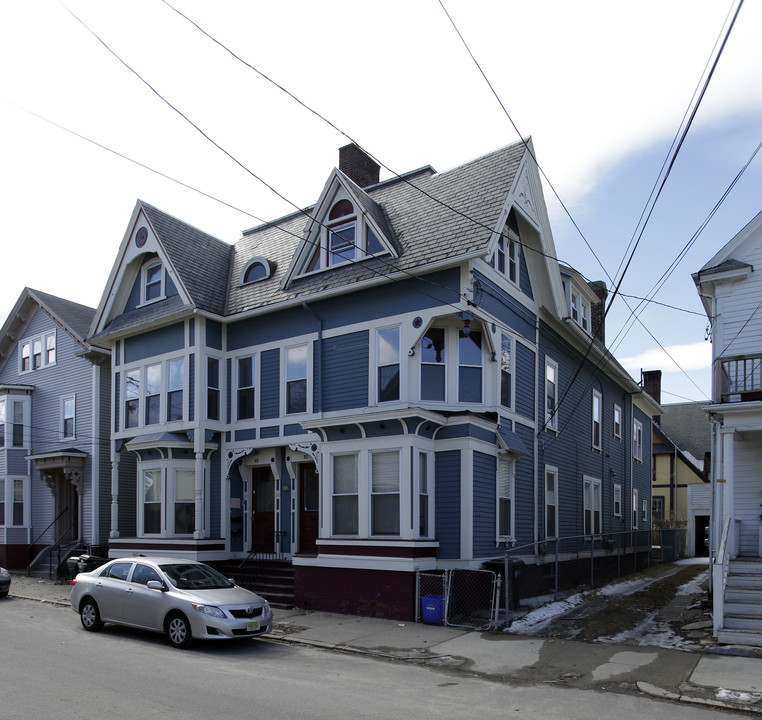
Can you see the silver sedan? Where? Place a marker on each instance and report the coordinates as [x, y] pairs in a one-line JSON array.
[[184, 599]]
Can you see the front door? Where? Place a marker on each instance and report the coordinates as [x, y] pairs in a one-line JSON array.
[[263, 510], [67, 510], [309, 503]]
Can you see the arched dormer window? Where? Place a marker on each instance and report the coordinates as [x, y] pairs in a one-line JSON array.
[[258, 268]]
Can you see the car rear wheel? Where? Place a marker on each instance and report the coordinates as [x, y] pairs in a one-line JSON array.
[[90, 615], [178, 630]]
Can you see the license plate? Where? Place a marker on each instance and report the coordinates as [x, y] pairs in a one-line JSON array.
[[252, 626]]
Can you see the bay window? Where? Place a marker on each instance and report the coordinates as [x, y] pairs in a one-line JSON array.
[[469, 366], [388, 364], [433, 364], [345, 497], [385, 493], [175, 384]]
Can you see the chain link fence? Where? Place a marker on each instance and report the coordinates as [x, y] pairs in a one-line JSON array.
[[458, 597]]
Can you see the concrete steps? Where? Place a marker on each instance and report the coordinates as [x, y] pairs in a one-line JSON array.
[[272, 579]]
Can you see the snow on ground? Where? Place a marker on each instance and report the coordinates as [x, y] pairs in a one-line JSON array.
[[649, 632]]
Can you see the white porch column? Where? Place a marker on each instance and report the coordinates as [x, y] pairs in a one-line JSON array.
[[198, 533], [728, 488], [115, 496]]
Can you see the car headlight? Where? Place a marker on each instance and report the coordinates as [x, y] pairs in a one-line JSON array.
[[266, 608], [209, 610]]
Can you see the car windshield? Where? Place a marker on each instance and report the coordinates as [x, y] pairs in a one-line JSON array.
[[188, 576]]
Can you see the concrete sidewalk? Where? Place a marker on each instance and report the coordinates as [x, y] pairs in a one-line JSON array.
[[711, 678]]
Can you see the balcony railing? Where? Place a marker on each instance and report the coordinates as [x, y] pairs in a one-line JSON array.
[[741, 379]]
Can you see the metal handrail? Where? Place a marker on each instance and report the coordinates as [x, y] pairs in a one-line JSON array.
[[34, 542]]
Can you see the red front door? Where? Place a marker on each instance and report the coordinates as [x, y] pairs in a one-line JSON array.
[[263, 510], [309, 503]]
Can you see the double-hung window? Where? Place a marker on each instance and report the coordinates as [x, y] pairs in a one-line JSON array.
[[423, 494], [505, 483], [246, 369], [68, 424], [296, 379], [551, 502], [617, 422], [506, 353], [184, 501], [551, 394], [469, 367], [634, 509], [132, 398], [388, 363], [212, 388], [12, 501], [617, 501], [345, 496], [175, 384], [153, 394], [152, 497], [433, 364], [592, 506], [385, 493], [2, 423], [37, 352], [153, 282], [597, 420], [637, 440], [17, 434]]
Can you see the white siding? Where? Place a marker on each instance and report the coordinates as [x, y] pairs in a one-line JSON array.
[[748, 494]]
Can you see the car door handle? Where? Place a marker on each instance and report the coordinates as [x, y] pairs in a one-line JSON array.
[[128, 590]]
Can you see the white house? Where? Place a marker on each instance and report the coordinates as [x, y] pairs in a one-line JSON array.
[[730, 287]]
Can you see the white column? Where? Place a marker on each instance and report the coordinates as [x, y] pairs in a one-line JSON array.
[[199, 531], [728, 488], [115, 496]]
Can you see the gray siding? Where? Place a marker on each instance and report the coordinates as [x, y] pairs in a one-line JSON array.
[[524, 488], [497, 301], [526, 382], [155, 342]]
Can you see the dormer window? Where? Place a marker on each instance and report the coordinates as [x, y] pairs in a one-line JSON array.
[[580, 311], [255, 270], [153, 282], [346, 237], [506, 258]]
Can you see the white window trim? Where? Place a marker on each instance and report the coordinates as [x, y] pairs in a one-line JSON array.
[[444, 364], [429, 464], [383, 451], [62, 421], [141, 369], [144, 282], [551, 421], [637, 440], [358, 493], [481, 366], [10, 481], [617, 425], [550, 470], [595, 494], [375, 386], [42, 338], [511, 372], [218, 388], [26, 436], [307, 378], [508, 463], [617, 500], [255, 373], [635, 509], [167, 470], [597, 401]]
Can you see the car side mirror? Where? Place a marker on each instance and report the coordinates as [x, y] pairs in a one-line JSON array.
[[155, 585]]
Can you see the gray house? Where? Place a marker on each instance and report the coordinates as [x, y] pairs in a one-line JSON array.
[[401, 377], [54, 434]]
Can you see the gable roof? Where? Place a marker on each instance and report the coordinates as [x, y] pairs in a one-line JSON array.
[[198, 264], [70, 316]]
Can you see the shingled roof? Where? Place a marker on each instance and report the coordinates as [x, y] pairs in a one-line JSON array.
[[432, 217]]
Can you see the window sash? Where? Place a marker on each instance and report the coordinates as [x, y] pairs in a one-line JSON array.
[[18, 502], [175, 385], [388, 364], [185, 502], [212, 389], [592, 507], [345, 498], [18, 424], [597, 405], [470, 367], [341, 243], [246, 391], [152, 283], [296, 379], [152, 501], [385, 493], [68, 418], [433, 364], [505, 497], [551, 395], [506, 389]]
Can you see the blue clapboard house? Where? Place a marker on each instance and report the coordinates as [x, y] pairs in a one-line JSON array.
[[401, 377]]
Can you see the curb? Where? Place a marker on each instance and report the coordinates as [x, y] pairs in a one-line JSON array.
[[654, 691]]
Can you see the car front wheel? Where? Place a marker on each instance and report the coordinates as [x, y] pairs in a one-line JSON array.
[[90, 616], [178, 631]]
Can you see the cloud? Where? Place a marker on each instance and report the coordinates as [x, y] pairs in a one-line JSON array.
[[673, 358]]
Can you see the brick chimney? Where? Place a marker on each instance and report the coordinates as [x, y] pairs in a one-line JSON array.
[[652, 385], [598, 323], [357, 165]]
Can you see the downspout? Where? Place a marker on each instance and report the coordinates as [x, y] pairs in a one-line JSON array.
[[539, 412], [318, 358]]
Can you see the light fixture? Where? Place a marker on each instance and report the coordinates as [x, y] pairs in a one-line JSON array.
[[466, 316]]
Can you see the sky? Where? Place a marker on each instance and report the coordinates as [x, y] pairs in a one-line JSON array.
[[601, 87]]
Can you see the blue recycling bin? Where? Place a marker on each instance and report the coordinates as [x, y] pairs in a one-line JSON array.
[[432, 609]]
